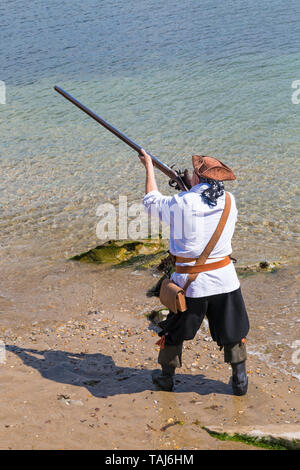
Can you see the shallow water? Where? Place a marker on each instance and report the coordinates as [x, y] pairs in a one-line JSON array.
[[177, 77]]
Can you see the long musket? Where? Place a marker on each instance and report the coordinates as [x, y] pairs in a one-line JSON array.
[[175, 176]]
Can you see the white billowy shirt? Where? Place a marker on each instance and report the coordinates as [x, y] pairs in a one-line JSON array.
[[192, 222]]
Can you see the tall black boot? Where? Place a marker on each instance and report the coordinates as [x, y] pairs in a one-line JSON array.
[[236, 355], [169, 358], [239, 378], [163, 379]]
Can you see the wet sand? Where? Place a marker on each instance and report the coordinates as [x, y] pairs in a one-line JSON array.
[[80, 351]]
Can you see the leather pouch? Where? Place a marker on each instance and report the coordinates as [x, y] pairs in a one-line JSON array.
[[172, 296]]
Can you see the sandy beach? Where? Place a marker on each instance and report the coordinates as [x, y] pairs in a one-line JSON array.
[[78, 365]]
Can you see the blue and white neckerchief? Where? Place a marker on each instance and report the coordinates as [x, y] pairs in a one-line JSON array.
[[215, 190]]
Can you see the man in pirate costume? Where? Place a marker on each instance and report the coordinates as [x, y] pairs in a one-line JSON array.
[[211, 288]]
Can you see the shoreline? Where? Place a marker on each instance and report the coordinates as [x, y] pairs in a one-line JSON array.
[[86, 383]]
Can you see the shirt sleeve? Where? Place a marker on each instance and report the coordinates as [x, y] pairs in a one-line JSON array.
[[233, 207], [158, 205]]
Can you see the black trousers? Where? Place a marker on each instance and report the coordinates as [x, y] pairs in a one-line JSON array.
[[228, 324], [226, 314]]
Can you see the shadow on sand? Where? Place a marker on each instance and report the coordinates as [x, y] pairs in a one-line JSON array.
[[102, 377]]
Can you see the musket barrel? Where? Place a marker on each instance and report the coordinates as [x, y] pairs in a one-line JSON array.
[[160, 165], [98, 119]]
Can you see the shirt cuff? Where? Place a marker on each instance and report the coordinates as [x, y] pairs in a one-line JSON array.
[[151, 198]]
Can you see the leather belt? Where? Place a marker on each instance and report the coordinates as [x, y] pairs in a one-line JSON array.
[[181, 259], [200, 268]]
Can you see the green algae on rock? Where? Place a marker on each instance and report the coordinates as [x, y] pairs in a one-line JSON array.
[[262, 267], [269, 436], [156, 316], [143, 253]]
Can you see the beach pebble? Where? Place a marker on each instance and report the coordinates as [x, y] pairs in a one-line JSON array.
[[76, 402]]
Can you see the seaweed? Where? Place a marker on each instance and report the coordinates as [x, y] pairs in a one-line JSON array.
[[156, 316], [270, 443], [261, 267], [124, 253]]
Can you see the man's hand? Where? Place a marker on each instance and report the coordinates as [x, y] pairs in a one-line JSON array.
[[145, 159]]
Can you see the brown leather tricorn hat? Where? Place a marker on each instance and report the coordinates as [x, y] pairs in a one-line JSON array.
[[210, 167]]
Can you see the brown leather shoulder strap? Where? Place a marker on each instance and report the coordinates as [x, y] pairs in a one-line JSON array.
[[217, 233], [213, 241]]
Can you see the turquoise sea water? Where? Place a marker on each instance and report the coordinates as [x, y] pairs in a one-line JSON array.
[[206, 77]]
